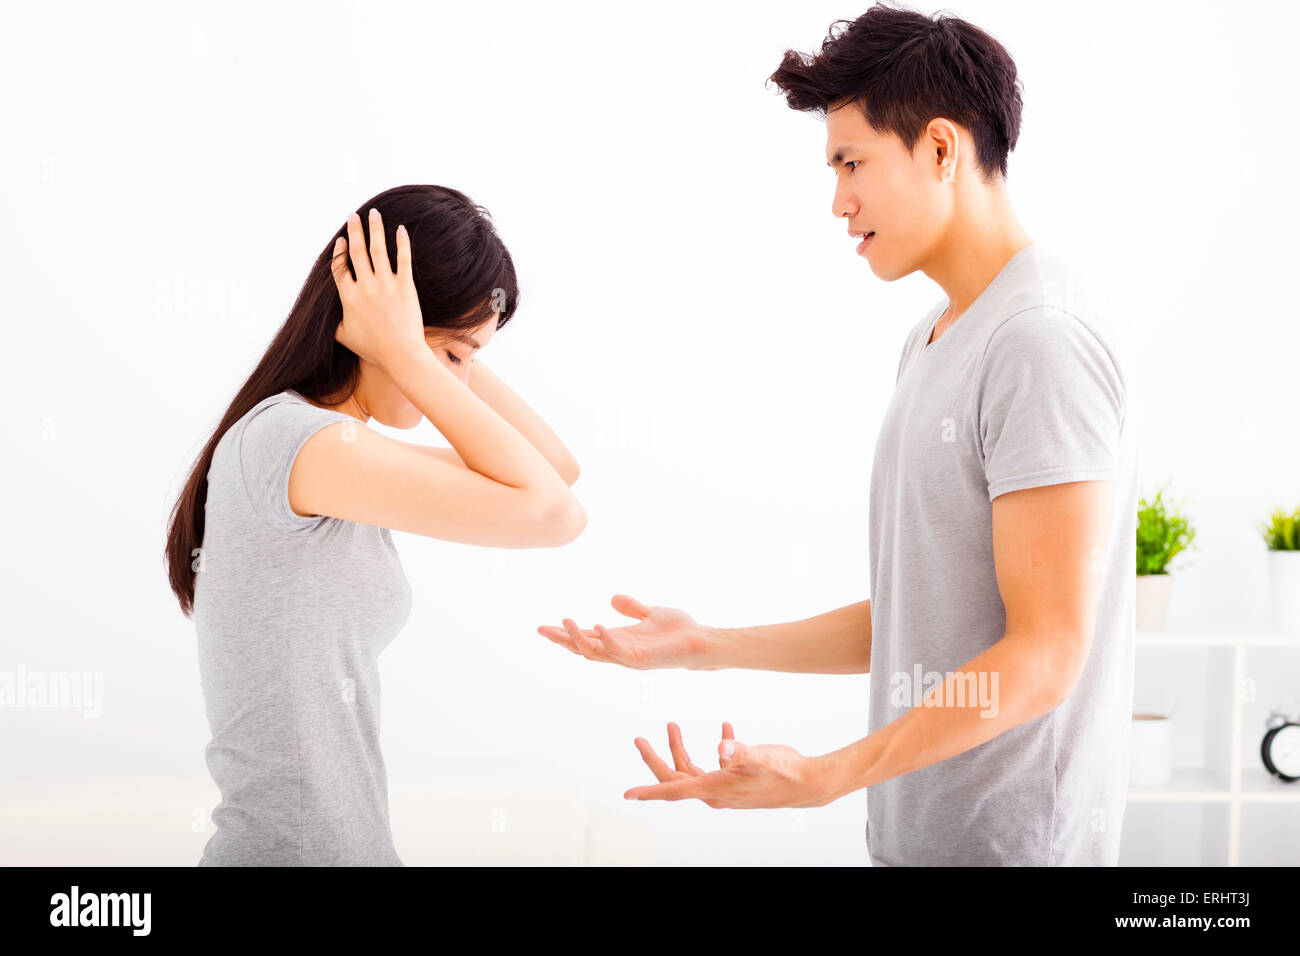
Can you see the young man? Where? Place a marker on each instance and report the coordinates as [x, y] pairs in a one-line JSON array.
[[999, 631]]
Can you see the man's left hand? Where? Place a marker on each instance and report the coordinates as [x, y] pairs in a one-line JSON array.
[[749, 777]]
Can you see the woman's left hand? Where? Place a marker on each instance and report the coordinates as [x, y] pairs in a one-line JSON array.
[[749, 777]]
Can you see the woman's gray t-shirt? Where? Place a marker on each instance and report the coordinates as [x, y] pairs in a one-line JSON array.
[[291, 614]]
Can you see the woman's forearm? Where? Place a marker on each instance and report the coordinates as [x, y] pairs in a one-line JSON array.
[[490, 387], [485, 441]]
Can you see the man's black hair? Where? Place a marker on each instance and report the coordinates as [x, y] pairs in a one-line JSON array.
[[903, 69]]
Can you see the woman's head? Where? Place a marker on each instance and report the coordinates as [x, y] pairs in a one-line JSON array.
[[464, 278], [467, 289]]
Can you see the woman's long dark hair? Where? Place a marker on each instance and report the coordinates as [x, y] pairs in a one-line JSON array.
[[463, 275]]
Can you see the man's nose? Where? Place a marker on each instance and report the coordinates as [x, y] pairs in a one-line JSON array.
[[842, 204]]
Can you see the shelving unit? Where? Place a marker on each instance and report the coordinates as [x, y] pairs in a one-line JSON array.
[[1235, 785]]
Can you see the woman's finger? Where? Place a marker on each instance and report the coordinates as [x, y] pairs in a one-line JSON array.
[[357, 248], [403, 254], [727, 732], [339, 267], [379, 245]]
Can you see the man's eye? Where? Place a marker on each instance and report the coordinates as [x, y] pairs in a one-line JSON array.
[[453, 358]]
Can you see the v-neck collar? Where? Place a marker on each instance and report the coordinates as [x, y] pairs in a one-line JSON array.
[[983, 297]]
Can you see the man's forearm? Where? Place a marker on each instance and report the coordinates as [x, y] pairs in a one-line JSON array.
[[1010, 683], [837, 642]]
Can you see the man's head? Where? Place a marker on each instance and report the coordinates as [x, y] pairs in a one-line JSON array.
[[920, 114]]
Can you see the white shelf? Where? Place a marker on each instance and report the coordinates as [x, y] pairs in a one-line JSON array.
[[1194, 639], [1236, 785], [1186, 785], [1199, 785]]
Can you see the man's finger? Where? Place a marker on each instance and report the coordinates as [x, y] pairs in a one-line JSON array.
[[591, 648], [653, 760], [630, 606], [557, 636], [613, 648], [678, 748], [683, 788]]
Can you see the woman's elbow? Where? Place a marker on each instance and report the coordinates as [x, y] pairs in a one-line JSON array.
[[570, 473], [570, 522]]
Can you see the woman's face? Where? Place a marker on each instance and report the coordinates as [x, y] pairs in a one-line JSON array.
[[385, 401]]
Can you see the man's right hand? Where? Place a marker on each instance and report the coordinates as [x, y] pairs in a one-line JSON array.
[[663, 637]]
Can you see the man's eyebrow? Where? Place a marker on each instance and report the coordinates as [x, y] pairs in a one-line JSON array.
[[839, 155]]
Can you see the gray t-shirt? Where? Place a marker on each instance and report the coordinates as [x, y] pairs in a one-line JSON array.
[[1019, 391], [291, 613]]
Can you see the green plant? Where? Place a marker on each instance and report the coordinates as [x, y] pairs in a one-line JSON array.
[[1161, 534], [1282, 530]]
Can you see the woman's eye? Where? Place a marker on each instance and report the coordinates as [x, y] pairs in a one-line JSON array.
[[454, 359], [852, 162]]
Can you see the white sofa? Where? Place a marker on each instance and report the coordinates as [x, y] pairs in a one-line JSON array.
[[462, 812]]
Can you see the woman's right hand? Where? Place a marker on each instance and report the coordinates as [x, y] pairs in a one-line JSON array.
[[381, 311], [664, 637]]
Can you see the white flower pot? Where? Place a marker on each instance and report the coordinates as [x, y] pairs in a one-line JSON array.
[[1284, 574], [1151, 747], [1153, 593]]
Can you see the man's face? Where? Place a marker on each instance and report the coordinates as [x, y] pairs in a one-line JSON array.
[[881, 187]]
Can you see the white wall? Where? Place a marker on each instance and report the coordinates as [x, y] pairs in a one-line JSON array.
[[695, 325]]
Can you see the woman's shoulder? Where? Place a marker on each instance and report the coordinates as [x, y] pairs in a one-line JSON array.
[[268, 440]]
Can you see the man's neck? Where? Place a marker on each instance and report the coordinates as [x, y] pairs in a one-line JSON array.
[[982, 239]]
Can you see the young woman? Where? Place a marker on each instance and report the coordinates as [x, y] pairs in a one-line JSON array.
[[279, 545]]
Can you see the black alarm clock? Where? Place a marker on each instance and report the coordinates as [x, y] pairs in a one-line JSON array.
[[1280, 750]]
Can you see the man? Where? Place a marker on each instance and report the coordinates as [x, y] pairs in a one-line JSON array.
[[999, 630]]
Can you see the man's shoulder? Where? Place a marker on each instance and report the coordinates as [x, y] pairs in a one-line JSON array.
[[1054, 289], [1054, 305]]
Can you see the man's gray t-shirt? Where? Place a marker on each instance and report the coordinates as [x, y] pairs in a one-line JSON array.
[[1020, 391], [291, 613]]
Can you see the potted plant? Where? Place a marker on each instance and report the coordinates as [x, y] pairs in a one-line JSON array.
[[1282, 535], [1162, 533]]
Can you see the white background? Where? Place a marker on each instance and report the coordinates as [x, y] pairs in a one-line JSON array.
[[694, 324]]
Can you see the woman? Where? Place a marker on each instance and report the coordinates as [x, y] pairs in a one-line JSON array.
[[279, 545]]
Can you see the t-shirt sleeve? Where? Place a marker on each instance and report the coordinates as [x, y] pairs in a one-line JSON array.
[[268, 447], [1051, 400]]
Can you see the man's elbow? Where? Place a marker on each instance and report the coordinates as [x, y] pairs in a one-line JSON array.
[[1064, 674]]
